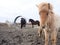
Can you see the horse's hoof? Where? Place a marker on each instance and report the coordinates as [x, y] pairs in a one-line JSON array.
[[39, 35]]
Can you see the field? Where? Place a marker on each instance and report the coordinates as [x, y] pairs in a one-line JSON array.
[[15, 36]]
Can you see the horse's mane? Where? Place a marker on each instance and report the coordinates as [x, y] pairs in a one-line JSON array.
[[45, 6], [31, 20], [57, 21]]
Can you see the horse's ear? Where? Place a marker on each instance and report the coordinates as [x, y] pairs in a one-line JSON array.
[[37, 5]]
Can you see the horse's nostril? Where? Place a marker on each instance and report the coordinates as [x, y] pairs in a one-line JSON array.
[[43, 27]]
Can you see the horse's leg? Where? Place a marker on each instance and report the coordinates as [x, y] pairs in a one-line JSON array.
[[40, 32], [54, 37], [21, 26], [46, 37]]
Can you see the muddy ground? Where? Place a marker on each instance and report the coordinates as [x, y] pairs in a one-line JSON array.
[[16, 36]]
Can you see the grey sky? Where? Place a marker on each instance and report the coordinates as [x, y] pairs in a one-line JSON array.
[[9, 9]]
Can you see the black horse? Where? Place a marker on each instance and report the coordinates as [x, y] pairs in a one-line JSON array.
[[34, 22], [23, 21]]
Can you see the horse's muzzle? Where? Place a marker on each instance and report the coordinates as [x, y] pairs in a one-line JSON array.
[[43, 27]]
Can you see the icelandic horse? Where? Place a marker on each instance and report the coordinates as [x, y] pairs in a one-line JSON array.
[[33, 22], [48, 22], [23, 21]]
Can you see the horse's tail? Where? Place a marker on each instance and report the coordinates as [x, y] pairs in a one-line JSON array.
[[16, 18]]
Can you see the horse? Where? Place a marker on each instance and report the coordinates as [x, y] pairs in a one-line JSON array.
[[48, 22], [23, 21], [34, 22]]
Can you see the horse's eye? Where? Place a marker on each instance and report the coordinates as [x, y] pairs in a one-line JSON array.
[[52, 12]]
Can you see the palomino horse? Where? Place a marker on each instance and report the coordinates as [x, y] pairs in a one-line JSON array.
[[47, 22]]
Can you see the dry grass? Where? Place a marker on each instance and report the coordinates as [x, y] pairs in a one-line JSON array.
[[17, 36]]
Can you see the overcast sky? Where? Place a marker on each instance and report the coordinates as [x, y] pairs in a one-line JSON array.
[[9, 9]]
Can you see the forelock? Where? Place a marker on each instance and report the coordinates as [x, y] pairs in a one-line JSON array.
[[43, 4]]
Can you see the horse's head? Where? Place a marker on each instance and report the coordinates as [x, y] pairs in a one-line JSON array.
[[31, 20], [44, 13]]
